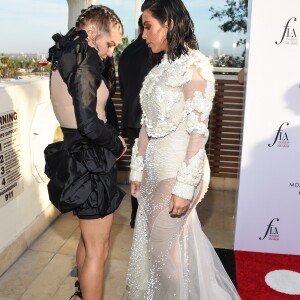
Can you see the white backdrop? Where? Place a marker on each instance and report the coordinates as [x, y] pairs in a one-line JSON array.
[[268, 212]]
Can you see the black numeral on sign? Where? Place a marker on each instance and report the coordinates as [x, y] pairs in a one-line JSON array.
[[9, 195]]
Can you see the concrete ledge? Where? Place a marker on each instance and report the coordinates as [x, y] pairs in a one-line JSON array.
[[12, 252]]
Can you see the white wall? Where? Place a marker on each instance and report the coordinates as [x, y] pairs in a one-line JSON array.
[[269, 191], [36, 130]]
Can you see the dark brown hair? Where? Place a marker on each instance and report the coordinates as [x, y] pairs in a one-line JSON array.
[[180, 36]]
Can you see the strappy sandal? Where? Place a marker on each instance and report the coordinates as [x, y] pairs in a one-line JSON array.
[[78, 292]]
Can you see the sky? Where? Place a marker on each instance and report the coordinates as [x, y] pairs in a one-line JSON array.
[[26, 26]]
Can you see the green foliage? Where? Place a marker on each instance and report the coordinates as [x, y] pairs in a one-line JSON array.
[[235, 15], [228, 61], [119, 48], [7, 67], [10, 66]]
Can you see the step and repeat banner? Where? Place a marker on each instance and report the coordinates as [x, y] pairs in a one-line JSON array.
[[268, 211]]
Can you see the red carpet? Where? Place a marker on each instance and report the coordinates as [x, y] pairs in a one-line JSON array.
[[251, 269]]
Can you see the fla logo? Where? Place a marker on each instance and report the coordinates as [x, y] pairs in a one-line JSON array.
[[281, 137], [289, 35], [272, 231]]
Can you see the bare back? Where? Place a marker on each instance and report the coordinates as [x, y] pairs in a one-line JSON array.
[[63, 104]]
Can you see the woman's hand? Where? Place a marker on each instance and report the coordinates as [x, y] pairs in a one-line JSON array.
[[135, 188], [178, 206], [124, 147]]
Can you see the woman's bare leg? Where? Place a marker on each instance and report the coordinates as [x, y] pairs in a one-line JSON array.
[[93, 247], [80, 255]]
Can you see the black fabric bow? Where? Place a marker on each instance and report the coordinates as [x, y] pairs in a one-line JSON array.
[[83, 175]]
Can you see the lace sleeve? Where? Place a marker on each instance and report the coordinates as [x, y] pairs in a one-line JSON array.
[[138, 154], [199, 93]]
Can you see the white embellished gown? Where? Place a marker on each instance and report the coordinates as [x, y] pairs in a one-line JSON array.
[[171, 258]]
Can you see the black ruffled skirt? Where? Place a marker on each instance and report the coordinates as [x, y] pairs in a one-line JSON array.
[[83, 177]]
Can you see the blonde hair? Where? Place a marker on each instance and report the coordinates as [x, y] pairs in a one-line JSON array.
[[101, 16]]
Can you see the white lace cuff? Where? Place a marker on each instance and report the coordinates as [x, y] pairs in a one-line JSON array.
[[189, 175], [136, 165], [136, 176], [183, 190]]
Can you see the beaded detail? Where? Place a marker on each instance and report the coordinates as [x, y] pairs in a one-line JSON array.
[[189, 175], [162, 99]]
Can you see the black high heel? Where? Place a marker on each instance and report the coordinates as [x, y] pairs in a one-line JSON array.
[[78, 292]]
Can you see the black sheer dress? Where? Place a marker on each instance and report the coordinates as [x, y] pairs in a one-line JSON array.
[[82, 169]]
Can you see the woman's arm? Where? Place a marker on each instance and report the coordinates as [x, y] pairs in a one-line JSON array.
[[199, 93], [137, 161], [83, 82]]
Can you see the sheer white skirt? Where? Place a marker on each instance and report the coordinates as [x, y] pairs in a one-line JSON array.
[[171, 258]]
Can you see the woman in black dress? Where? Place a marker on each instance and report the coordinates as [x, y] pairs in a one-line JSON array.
[[88, 175]]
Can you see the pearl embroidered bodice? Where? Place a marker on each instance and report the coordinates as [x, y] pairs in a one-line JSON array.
[[162, 97]]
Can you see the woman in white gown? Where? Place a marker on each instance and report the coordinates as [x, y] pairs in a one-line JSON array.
[[171, 257]]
